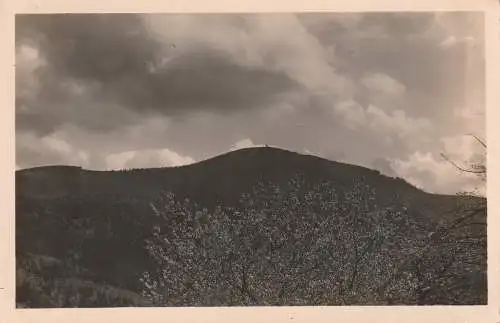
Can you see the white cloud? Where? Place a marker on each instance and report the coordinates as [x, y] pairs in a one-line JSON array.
[[53, 149], [277, 42], [396, 123], [119, 160], [296, 52], [385, 91], [453, 41], [244, 143], [28, 60], [279, 111], [352, 112], [464, 150], [146, 158], [435, 174], [383, 83], [65, 152], [316, 21], [470, 119], [451, 28], [77, 88], [468, 112], [380, 132]]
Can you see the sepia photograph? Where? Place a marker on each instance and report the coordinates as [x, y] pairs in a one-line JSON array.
[[250, 159]]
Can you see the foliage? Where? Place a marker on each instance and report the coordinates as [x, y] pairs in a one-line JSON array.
[[294, 244], [47, 282]]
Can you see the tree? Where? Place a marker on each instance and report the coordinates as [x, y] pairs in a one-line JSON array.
[[450, 265], [459, 246], [293, 244], [301, 243]]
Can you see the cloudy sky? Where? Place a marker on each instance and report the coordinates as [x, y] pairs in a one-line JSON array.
[[385, 91]]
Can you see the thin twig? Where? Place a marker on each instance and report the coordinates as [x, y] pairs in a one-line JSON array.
[[478, 140], [462, 169]]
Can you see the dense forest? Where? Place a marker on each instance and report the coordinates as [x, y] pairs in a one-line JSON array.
[[258, 226]]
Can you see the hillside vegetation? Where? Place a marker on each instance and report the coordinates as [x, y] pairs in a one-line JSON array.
[[259, 226]]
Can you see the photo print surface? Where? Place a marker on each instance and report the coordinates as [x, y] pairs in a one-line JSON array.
[[318, 159]]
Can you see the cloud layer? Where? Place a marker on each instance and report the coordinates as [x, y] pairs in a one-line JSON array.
[[384, 90]]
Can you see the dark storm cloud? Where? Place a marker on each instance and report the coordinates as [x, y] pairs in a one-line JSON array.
[[206, 80], [58, 101], [119, 64], [78, 52], [94, 47]]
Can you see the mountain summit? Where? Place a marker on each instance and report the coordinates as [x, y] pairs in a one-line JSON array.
[[232, 172]]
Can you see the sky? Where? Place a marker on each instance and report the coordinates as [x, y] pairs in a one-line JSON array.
[[388, 91]]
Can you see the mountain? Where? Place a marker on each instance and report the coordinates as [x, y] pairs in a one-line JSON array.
[[90, 227]]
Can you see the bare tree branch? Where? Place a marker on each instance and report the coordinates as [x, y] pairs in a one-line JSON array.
[[482, 142], [462, 169]]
